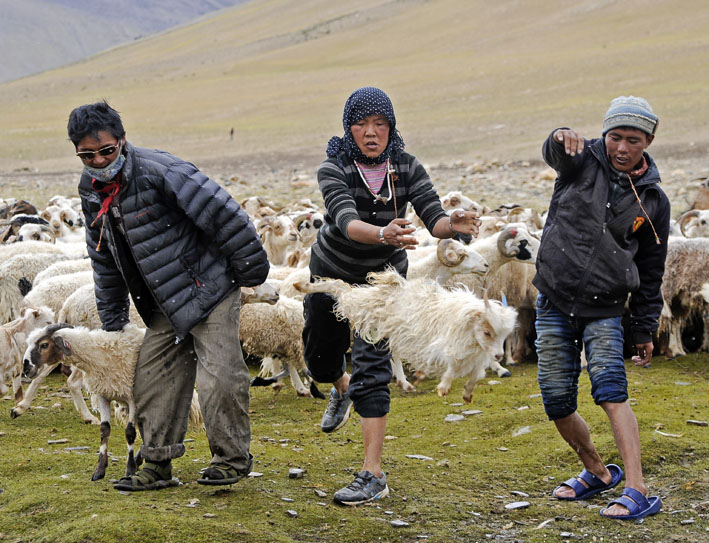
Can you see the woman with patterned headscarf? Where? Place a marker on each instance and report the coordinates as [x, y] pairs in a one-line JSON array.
[[366, 183]]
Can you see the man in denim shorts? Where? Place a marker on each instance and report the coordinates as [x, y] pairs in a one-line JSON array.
[[605, 237]]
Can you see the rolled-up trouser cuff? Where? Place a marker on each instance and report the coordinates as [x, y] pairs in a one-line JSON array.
[[161, 454], [374, 404]]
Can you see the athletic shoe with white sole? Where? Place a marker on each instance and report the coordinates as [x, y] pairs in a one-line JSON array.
[[337, 412], [365, 488]]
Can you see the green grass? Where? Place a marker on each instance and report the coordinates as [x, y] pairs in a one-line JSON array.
[[458, 496]]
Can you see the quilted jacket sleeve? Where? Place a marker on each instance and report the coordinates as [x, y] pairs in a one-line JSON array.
[[221, 218]]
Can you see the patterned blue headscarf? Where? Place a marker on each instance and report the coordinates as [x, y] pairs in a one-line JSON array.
[[363, 103]]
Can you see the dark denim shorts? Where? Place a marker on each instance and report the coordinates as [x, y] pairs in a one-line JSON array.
[[559, 341]]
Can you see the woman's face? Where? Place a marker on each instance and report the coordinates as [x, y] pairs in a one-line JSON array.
[[371, 135]]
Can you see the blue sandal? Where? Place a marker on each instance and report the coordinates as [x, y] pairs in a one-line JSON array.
[[638, 505], [595, 484]]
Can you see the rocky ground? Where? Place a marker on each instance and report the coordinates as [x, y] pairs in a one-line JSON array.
[[490, 182]]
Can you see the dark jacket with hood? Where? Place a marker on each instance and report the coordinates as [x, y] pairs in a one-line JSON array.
[[597, 245], [172, 237]]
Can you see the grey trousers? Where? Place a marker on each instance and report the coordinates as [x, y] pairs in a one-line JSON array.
[[164, 382]]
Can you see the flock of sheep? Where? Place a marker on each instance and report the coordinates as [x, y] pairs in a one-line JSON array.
[[463, 308]]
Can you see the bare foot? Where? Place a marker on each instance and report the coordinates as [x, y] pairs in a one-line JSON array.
[[567, 492]]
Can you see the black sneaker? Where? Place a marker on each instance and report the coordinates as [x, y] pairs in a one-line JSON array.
[[365, 488], [337, 412]]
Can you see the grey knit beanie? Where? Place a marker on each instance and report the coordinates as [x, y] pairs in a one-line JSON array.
[[630, 111]]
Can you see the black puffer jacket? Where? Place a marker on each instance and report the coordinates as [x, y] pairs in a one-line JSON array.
[[173, 237], [594, 253]]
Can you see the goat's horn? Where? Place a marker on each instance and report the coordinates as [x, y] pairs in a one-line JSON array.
[[685, 218], [300, 218], [507, 233], [441, 254], [514, 212]]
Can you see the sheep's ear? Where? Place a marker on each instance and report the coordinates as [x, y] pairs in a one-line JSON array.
[[62, 345]]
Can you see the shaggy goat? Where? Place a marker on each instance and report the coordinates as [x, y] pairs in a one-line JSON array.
[[686, 272], [448, 332]]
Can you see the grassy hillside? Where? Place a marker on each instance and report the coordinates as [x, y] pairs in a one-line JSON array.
[[469, 79]]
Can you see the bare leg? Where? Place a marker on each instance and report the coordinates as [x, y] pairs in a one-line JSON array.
[[575, 431], [624, 426], [342, 384], [373, 431]]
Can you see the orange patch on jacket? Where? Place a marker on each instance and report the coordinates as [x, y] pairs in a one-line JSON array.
[[637, 223]]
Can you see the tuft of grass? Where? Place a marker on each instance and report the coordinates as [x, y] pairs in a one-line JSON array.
[[476, 467]]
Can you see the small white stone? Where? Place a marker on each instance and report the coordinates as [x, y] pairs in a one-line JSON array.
[[517, 505]]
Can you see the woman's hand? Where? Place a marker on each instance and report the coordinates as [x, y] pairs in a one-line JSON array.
[[398, 234], [464, 222]]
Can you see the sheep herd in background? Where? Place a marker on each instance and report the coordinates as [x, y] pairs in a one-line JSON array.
[[463, 308]]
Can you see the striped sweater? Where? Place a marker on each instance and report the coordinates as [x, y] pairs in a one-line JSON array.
[[347, 198]]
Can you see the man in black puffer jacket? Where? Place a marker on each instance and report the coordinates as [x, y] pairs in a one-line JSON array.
[[160, 230], [605, 237]]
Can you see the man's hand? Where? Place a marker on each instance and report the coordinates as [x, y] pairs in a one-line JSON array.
[[644, 354], [572, 140]]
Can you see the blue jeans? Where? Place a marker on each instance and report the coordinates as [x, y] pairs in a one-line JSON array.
[[559, 341]]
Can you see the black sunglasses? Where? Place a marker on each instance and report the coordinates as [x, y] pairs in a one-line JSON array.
[[105, 151]]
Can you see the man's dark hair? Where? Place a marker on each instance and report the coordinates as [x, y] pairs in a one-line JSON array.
[[89, 119]]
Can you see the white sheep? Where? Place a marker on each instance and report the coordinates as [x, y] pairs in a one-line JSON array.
[[273, 332], [53, 291], [456, 200], [107, 360], [27, 247], [279, 237], [449, 258], [63, 219], [63, 267], [448, 332], [17, 274], [13, 342], [308, 224]]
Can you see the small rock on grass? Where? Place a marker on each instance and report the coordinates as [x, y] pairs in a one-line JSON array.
[[209, 515], [57, 441], [320, 493], [694, 422], [418, 457], [454, 418], [399, 523], [291, 513], [296, 473], [519, 493], [517, 505]]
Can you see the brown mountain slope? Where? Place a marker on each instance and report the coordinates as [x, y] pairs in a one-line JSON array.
[[469, 79]]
